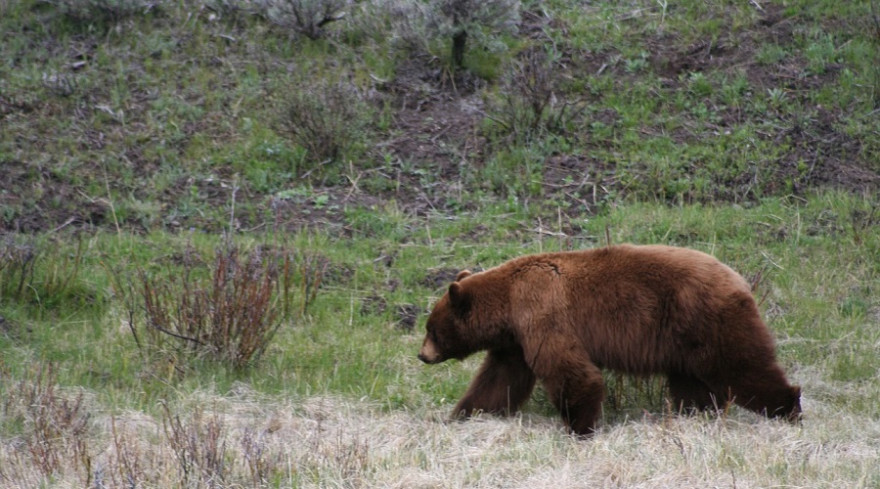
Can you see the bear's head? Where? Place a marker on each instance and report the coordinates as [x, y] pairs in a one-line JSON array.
[[443, 339], [791, 407], [471, 316]]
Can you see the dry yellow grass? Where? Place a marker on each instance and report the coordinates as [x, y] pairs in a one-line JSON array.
[[249, 440]]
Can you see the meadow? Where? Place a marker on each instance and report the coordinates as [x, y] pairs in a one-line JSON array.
[[223, 223]]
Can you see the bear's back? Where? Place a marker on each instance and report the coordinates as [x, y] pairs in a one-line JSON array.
[[626, 302], [659, 265]]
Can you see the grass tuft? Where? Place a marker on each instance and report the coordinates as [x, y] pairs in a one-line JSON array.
[[34, 275]]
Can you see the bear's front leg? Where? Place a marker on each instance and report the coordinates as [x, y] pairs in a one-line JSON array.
[[577, 390], [502, 385]]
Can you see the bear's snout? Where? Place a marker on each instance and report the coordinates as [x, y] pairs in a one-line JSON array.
[[429, 353]]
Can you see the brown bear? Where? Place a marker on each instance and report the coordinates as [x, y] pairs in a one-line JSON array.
[[561, 317]]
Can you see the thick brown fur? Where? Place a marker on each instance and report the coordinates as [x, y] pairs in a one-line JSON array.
[[561, 317]]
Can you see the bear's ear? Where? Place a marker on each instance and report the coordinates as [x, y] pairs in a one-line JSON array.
[[462, 274], [458, 297]]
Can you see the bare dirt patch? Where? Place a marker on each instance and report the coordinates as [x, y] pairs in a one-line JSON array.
[[434, 130]]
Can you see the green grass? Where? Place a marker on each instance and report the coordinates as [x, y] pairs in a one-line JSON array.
[[819, 288]]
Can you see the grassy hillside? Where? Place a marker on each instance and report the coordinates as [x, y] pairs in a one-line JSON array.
[[172, 171], [159, 115]]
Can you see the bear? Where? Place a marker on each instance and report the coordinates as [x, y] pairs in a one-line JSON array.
[[638, 309]]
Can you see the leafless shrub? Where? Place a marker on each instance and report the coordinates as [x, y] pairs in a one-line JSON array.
[[327, 120], [352, 459], [756, 281], [313, 268], [529, 106], [56, 427], [232, 316], [199, 448], [126, 467], [17, 263], [534, 81], [261, 462], [305, 17]]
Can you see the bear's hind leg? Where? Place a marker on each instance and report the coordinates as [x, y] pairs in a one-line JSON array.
[[689, 394], [502, 385]]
